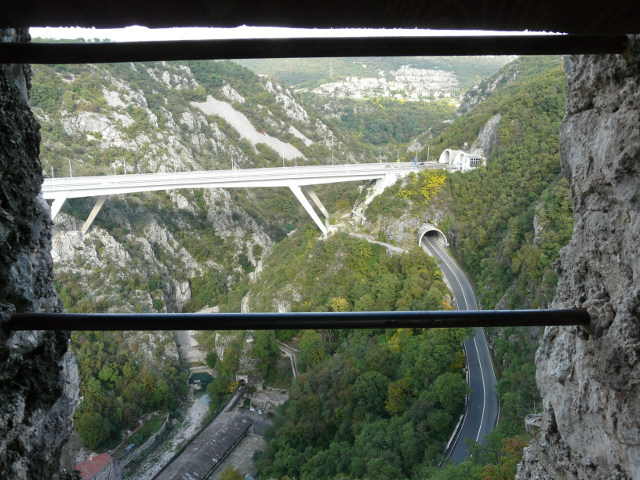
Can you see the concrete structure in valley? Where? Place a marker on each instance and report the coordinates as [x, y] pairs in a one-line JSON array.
[[460, 160], [299, 179], [99, 467], [205, 452], [432, 232]]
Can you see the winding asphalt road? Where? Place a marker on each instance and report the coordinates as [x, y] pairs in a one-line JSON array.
[[483, 405]]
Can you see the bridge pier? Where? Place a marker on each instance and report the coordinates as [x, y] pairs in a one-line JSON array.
[[297, 191], [57, 203], [312, 195], [384, 182], [96, 208]]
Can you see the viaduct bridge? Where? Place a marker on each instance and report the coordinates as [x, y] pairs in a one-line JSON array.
[[299, 179]]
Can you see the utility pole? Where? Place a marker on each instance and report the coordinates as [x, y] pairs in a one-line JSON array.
[[70, 172], [428, 148]]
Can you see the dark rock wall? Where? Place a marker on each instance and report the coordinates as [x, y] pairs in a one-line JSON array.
[[38, 388], [590, 378]]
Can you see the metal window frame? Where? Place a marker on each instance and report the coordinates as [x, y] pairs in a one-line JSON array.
[[73, 53]]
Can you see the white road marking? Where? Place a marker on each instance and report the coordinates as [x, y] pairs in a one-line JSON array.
[[484, 390], [434, 250], [464, 297]]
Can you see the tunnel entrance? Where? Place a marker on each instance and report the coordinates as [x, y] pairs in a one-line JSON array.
[[432, 233]]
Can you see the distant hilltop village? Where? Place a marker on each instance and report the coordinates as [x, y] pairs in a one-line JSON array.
[[406, 83]]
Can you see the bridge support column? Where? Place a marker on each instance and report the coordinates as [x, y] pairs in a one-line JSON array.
[[386, 181], [57, 203], [312, 195], [96, 208], [297, 191]]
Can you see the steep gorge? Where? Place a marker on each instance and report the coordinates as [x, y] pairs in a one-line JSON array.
[[592, 264]]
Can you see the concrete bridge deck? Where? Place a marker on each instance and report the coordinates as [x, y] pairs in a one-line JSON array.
[[295, 178]]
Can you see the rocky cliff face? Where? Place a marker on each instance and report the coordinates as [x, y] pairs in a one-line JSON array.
[[36, 372], [590, 378]]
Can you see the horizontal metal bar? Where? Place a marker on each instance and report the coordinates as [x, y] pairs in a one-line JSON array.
[[54, 53], [618, 16], [286, 321]]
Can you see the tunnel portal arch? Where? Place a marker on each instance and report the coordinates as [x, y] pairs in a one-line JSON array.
[[432, 231], [445, 157]]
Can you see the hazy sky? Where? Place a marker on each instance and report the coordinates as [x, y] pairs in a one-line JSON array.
[[136, 33]]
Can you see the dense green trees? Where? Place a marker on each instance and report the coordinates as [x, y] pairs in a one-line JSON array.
[[345, 273], [380, 407], [93, 429], [510, 219], [119, 385], [381, 122], [265, 351], [369, 403]]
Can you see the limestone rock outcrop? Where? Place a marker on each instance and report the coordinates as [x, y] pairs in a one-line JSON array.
[[37, 388], [589, 378]]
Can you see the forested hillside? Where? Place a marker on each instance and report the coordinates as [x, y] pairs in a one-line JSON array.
[[123, 377], [345, 273], [509, 220], [506, 223], [372, 403], [386, 127]]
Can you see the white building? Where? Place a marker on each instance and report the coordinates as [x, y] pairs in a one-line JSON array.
[[459, 160]]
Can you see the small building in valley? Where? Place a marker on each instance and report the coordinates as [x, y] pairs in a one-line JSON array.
[[98, 467], [460, 160]]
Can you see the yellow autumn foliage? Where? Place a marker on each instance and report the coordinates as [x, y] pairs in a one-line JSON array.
[[424, 187]]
